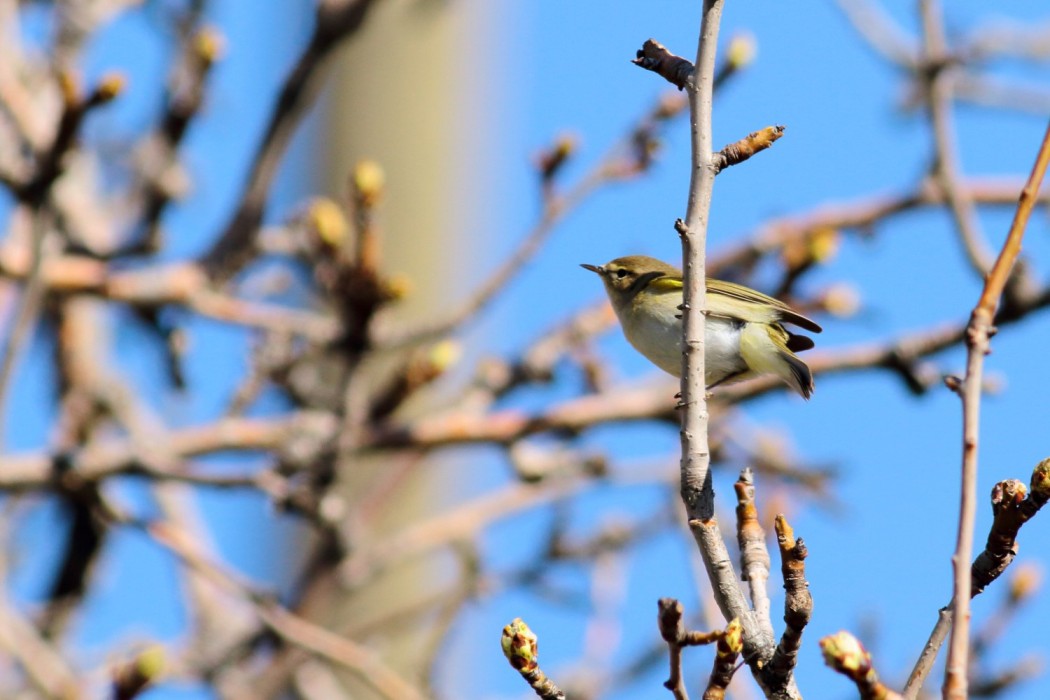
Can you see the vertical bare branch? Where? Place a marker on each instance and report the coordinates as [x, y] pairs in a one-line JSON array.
[[672, 629], [798, 602], [1013, 507], [34, 194], [754, 556], [936, 79], [697, 492], [696, 489]]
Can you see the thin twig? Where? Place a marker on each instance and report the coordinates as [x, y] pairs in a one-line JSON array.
[[334, 21], [623, 159], [463, 523], [554, 211], [45, 666], [730, 644], [35, 195], [936, 78], [153, 286], [185, 94], [880, 31], [107, 458], [672, 629], [861, 214], [697, 492], [1012, 510], [928, 655], [293, 629], [978, 334], [28, 307]]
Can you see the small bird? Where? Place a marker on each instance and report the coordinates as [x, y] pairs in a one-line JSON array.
[[744, 334]]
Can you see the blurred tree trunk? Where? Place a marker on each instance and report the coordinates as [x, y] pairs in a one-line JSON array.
[[400, 96]]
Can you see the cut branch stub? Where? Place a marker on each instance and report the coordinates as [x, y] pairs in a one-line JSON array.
[[653, 56], [669, 620]]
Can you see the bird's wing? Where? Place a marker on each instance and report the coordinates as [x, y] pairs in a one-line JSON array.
[[722, 295], [740, 293], [666, 284]]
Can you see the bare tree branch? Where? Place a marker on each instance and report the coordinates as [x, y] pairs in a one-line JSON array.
[[334, 21], [754, 556], [978, 335], [1012, 509]]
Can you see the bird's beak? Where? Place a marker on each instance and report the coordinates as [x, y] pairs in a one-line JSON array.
[[593, 268]]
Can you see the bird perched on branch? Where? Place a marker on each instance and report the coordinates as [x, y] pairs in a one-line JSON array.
[[744, 332]]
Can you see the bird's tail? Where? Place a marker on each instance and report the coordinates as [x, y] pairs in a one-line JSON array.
[[765, 349]]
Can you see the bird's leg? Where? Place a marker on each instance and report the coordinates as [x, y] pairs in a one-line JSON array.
[[727, 379], [681, 307]]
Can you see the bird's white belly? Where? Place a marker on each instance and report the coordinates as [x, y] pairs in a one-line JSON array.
[[660, 340]]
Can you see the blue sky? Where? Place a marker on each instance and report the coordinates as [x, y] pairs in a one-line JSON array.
[[885, 557]]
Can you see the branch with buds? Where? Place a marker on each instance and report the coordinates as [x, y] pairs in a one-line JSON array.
[[521, 647], [846, 655]]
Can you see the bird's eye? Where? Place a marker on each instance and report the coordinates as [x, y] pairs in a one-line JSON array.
[[621, 273]]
